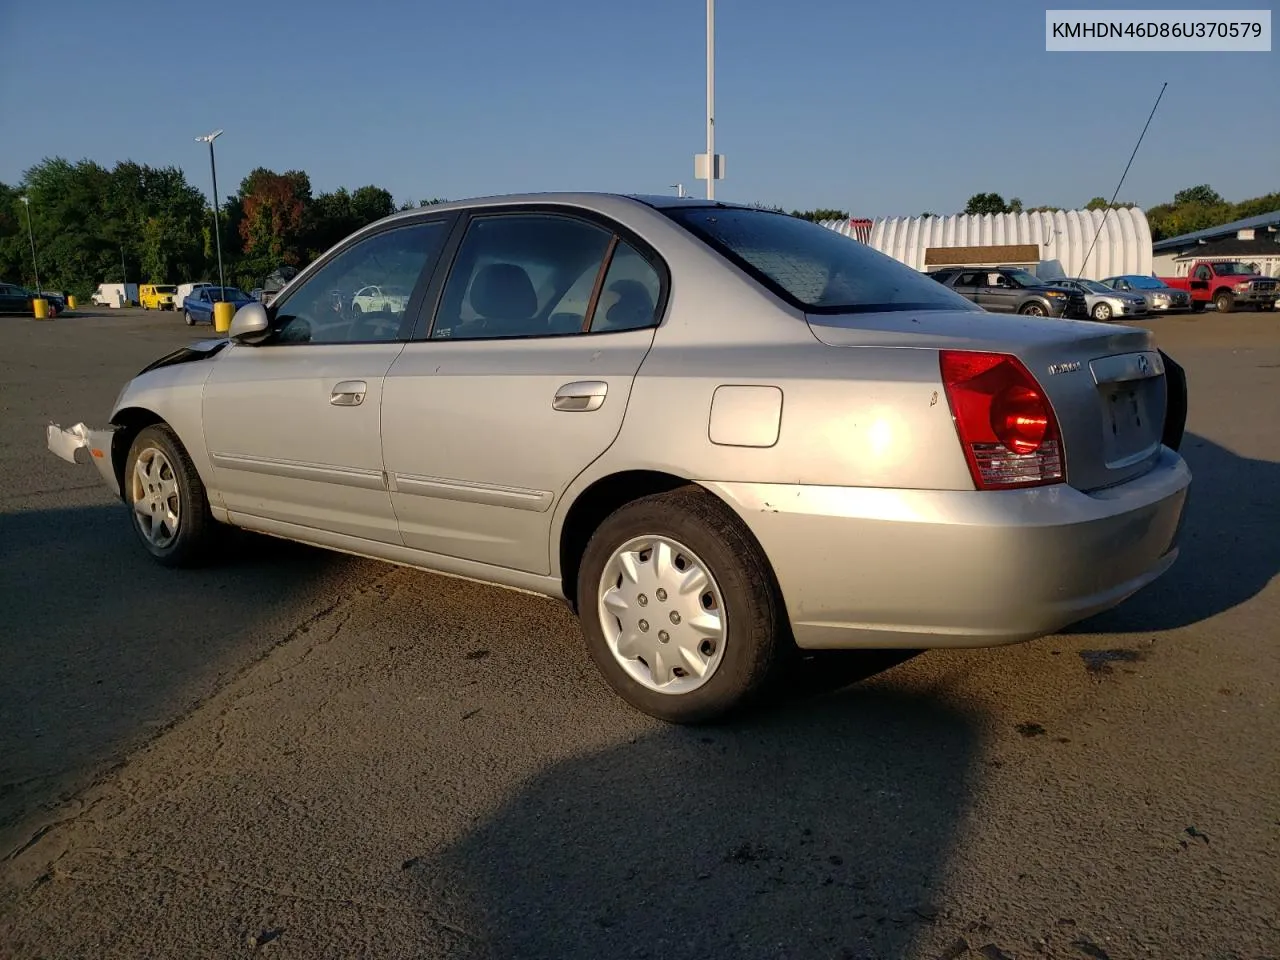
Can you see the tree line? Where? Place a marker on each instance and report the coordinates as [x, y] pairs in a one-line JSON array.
[[1192, 209], [148, 224]]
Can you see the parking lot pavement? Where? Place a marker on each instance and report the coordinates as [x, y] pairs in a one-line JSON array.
[[306, 755]]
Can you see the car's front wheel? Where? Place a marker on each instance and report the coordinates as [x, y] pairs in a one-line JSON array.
[[1102, 312], [168, 504], [680, 609], [1033, 309]]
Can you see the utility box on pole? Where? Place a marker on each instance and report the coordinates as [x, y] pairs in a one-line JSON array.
[[700, 167]]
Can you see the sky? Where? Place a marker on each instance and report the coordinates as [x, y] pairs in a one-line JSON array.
[[881, 109]]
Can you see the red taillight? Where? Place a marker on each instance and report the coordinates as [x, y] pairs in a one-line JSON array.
[[1005, 422]]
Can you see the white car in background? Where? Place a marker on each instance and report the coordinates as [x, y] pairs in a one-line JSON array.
[[380, 299]]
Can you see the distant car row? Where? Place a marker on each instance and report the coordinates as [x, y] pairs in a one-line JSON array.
[[1009, 289]]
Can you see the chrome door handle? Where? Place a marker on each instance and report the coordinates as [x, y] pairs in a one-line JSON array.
[[348, 393], [581, 396]]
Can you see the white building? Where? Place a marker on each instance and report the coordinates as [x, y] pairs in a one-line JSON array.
[[1123, 240], [1254, 241]]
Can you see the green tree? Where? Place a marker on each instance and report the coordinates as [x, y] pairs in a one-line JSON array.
[[1202, 195], [822, 213], [982, 203]]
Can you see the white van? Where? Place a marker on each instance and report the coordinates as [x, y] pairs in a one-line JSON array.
[[115, 295]]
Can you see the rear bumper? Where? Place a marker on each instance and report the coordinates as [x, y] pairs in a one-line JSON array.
[[81, 444], [942, 568]]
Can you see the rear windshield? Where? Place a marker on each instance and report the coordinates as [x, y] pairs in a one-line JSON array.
[[815, 268]]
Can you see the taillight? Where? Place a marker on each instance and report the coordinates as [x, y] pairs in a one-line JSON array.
[[1005, 422]]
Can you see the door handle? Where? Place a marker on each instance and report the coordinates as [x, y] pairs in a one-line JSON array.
[[348, 393], [580, 396]]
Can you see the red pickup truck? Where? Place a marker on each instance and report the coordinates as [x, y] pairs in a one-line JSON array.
[[1226, 284]]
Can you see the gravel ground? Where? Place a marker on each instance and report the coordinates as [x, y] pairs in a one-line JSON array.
[[300, 754]]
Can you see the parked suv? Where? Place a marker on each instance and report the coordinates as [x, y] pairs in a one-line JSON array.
[[1011, 290]]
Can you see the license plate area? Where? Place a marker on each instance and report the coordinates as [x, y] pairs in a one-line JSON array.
[[1128, 430]]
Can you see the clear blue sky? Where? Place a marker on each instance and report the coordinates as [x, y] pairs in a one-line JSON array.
[[880, 108]]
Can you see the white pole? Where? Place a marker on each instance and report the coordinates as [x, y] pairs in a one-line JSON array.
[[711, 96]]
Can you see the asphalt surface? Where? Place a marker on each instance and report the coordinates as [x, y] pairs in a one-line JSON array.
[[299, 754]]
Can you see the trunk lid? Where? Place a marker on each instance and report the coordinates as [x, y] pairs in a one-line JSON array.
[[1106, 382]]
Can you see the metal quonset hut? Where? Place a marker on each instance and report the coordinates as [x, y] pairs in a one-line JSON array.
[[1027, 239]]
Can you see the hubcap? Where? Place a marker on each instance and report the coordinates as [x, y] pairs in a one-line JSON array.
[[662, 614], [153, 490]]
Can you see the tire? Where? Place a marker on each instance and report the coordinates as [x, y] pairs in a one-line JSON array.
[[1033, 309], [355, 310], [1101, 312], [1224, 302], [158, 477], [739, 587], [1197, 306], [187, 317]]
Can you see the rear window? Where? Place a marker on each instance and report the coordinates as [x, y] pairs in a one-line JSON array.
[[815, 268]]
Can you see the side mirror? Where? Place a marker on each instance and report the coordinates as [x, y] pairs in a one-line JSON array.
[[250, 323]]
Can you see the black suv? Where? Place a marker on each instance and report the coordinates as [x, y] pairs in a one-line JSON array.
[[1011, 290]]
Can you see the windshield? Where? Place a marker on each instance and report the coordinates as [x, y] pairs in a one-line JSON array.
[[817, 269], [1145, 283], [1093, 286], [1024, 279], [1232, 269], [166, 289]]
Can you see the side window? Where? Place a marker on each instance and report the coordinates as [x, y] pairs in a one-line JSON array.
[[629, 297], [521, 275], [968, 280], [360, 296], [1202, 273]]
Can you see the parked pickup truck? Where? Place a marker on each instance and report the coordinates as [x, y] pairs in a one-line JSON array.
[[1227, 284]]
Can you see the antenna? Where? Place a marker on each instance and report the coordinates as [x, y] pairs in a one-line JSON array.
[[1106, 213]]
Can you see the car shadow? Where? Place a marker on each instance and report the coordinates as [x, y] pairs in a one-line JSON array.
[[1228, 553], [102, 649], [818, 829]]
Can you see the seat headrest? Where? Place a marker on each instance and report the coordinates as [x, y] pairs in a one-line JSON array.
[[503, 291], [634, 306]]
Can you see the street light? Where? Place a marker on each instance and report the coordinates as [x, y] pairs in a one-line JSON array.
[[709, 166], [35, 264], [217, 233]]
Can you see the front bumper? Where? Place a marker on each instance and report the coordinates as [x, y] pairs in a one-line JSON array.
[[879, 568], [95, 444]]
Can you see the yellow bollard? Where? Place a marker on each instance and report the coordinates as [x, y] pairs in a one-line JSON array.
[[42, 308], [71, 302], [222, 314]]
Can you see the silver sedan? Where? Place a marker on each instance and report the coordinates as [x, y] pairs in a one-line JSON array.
[[721, 434], [1102, 302]]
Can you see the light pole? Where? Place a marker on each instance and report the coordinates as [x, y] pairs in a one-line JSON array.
[[35, 264], [708, 166], [679, 187], [217, 233], [711, 99]]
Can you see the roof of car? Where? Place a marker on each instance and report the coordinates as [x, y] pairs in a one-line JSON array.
[[581, 198]]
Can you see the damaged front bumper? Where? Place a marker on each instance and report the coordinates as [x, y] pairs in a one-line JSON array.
[[67, 444]]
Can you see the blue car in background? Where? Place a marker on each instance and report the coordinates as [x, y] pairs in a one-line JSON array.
[[197, 307]]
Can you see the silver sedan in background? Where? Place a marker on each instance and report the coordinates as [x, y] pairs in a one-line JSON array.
[[1160, 297], [1103, 303], [721, 434]]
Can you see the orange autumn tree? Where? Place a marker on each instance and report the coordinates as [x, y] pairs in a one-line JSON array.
[[274, 206]]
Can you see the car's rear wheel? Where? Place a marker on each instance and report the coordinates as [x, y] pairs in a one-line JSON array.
[[1102, 312], [679, 607], [167, 502], [186, 315]]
